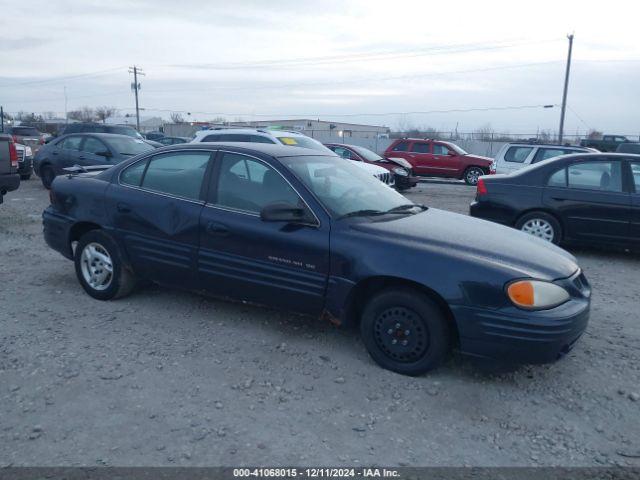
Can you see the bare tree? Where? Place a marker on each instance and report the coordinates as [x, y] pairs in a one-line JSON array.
[[104, 112], [484, 133], [84, 114], [176, 117], [594, 134]]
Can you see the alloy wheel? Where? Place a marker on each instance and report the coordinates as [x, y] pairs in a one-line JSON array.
[[96, 266], [539, 228]]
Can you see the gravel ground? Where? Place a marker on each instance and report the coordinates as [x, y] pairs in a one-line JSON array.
[[171, 378]]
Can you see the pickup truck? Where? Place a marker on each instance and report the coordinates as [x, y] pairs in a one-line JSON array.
[[608, 143], [9, 176]]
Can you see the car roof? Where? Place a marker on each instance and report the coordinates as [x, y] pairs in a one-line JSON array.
[[254, 131], [545, 145], [103, 136], [271, 149]]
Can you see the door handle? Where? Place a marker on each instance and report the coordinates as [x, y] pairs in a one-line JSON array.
[[54, 153], [123, 207], [215, 228], [559, 199], [81, 157]]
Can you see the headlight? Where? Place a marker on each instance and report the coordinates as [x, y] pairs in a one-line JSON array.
[[536, 294], [400, 171], [28, 152]]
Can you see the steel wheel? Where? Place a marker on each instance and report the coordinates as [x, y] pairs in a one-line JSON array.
[[400, 333], [472, 175], [96, 266], [540, 228]]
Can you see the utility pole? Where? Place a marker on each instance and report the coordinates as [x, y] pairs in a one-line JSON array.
[[66, 120], [135, 86], [2, 119], [566, 87]]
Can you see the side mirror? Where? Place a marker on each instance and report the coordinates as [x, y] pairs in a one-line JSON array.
[[284, 212], [451, 153], [105, 153]]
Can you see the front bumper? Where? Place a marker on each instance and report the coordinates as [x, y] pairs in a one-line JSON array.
[[8, 183], [56, 230], [25, 167], [406, 182], [519, 336]]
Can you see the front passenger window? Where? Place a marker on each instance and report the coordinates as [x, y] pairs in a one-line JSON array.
[[249, 185], [179, 174]]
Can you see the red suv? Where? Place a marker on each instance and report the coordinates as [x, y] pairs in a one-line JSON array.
[[435, 158]]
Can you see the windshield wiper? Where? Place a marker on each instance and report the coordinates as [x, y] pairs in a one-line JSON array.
[[362, 213], [405, 207]]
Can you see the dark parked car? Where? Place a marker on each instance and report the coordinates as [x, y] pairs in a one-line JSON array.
[[399, 166], [84, 149], [103, 128], [156, 136], [302, 230], [608, 143], [25, 161], [9, 176], [630, 147], [435, 158], [172, 140], [580, 198]]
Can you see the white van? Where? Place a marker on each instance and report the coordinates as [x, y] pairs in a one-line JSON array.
[[514, 156]]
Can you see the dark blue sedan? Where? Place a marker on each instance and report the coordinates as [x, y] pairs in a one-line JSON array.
[[84, 149], [305, 231]]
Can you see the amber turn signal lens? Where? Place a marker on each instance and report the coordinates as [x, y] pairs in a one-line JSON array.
[[521, 293]]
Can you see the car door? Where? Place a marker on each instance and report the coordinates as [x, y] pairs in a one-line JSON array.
[[589, 197], [155, 211], [634, 227], [69, 153], [445, 161], [246, 258], [420, 158], [90, 149]]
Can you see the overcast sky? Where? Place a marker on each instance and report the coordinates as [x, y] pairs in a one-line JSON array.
[[358, 61]]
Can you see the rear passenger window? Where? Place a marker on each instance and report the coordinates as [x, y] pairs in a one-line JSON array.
[[133, 175], [401, 147], [259, 139], [517, 154], [558, 179], [545, 153], [211, 138], [420, 147], [605, 176], [179, 174]]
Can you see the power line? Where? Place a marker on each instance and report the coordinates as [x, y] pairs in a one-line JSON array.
[[358, 57], [61, 79], [361, 114]]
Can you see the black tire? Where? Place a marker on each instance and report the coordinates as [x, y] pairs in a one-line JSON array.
[[389, 315], [26, 176], [122, 281], [47, 174], [527, 223], [471, 175]]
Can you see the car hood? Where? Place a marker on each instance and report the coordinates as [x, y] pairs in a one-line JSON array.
[[372, 169], [478, 241], [400, 161], [479, 157]]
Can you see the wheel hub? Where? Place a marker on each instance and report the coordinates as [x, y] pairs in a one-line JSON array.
[[96, 266], [400, 333]]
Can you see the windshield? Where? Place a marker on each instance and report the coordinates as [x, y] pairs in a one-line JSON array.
[[342, 187], [457, 149], [129, 132], [129, 146], [305, 142], [367, 154]]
